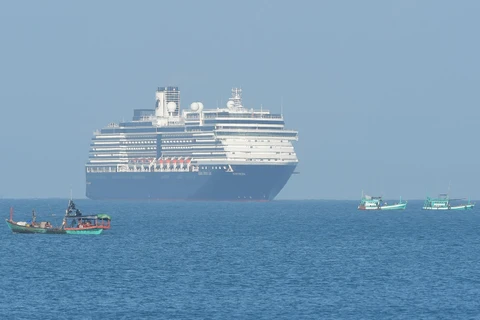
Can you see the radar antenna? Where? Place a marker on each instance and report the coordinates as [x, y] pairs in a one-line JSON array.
[[236, 98]]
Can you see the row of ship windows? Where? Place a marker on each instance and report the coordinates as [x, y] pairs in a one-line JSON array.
[[191, 141], [137, 142], [126, 142], [261, 160], [174, 147], [116, 155], [248, 128], [214, 168], [126, 149], [121, 136], [177, 147], [178, 141], [280, 133], [265, 159], [243, 121], [242, 140], [182, 141], [179, 136], [245, 152]]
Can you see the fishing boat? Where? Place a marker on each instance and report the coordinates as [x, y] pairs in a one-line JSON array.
[[376, 203], [443, 202], [74, 222], [32, 226], [85, 224]]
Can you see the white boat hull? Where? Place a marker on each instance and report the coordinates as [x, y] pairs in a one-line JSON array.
[[399, 206], [461, 207]]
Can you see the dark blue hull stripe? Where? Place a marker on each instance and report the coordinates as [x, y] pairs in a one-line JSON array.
[[249, 182]]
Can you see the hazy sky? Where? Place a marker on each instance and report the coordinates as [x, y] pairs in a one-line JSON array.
[[384, 94]]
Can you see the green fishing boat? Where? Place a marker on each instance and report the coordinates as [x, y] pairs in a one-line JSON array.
[[443, 202], [32, 226], [74, 222], [376, 203], [24, 227]]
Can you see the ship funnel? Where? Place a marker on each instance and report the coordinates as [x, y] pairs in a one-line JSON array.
[[167, 102], [160, 104]]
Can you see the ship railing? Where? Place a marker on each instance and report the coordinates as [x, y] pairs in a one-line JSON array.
[[152, 168], [242, 115], [101, 169]]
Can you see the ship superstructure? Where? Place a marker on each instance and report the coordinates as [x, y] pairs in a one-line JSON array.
[[230, 153]]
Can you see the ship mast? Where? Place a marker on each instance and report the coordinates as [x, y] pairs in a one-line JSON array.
[[235, 102], [237, 97]]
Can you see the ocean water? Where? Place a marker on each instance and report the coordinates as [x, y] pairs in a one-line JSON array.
[[277, 260]]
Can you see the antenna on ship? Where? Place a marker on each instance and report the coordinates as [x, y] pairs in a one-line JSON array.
[[281, 112]]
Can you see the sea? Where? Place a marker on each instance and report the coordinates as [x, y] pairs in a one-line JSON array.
[[313, 259]]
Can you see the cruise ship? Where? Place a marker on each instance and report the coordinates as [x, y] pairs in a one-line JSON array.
[[165, 153]]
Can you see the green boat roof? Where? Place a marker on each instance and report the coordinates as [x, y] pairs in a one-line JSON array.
[[103, 216]]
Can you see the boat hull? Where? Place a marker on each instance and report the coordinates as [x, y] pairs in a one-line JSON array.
[[85, 231], [29, 229], [360, 207], [245, 183], [461, 207], [399, 206], [16, 228]]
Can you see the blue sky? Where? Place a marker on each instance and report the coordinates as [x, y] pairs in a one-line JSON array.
[[384, 94]]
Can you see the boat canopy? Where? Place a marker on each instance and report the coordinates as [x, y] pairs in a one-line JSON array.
[[101, 216], [367, 197]]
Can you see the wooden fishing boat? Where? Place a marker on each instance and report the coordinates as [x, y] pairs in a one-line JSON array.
[[74, 222], [32, 226], [443, 202], [376, 203], [91, 224]]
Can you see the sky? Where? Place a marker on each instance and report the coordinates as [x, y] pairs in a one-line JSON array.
[[384, 94]]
